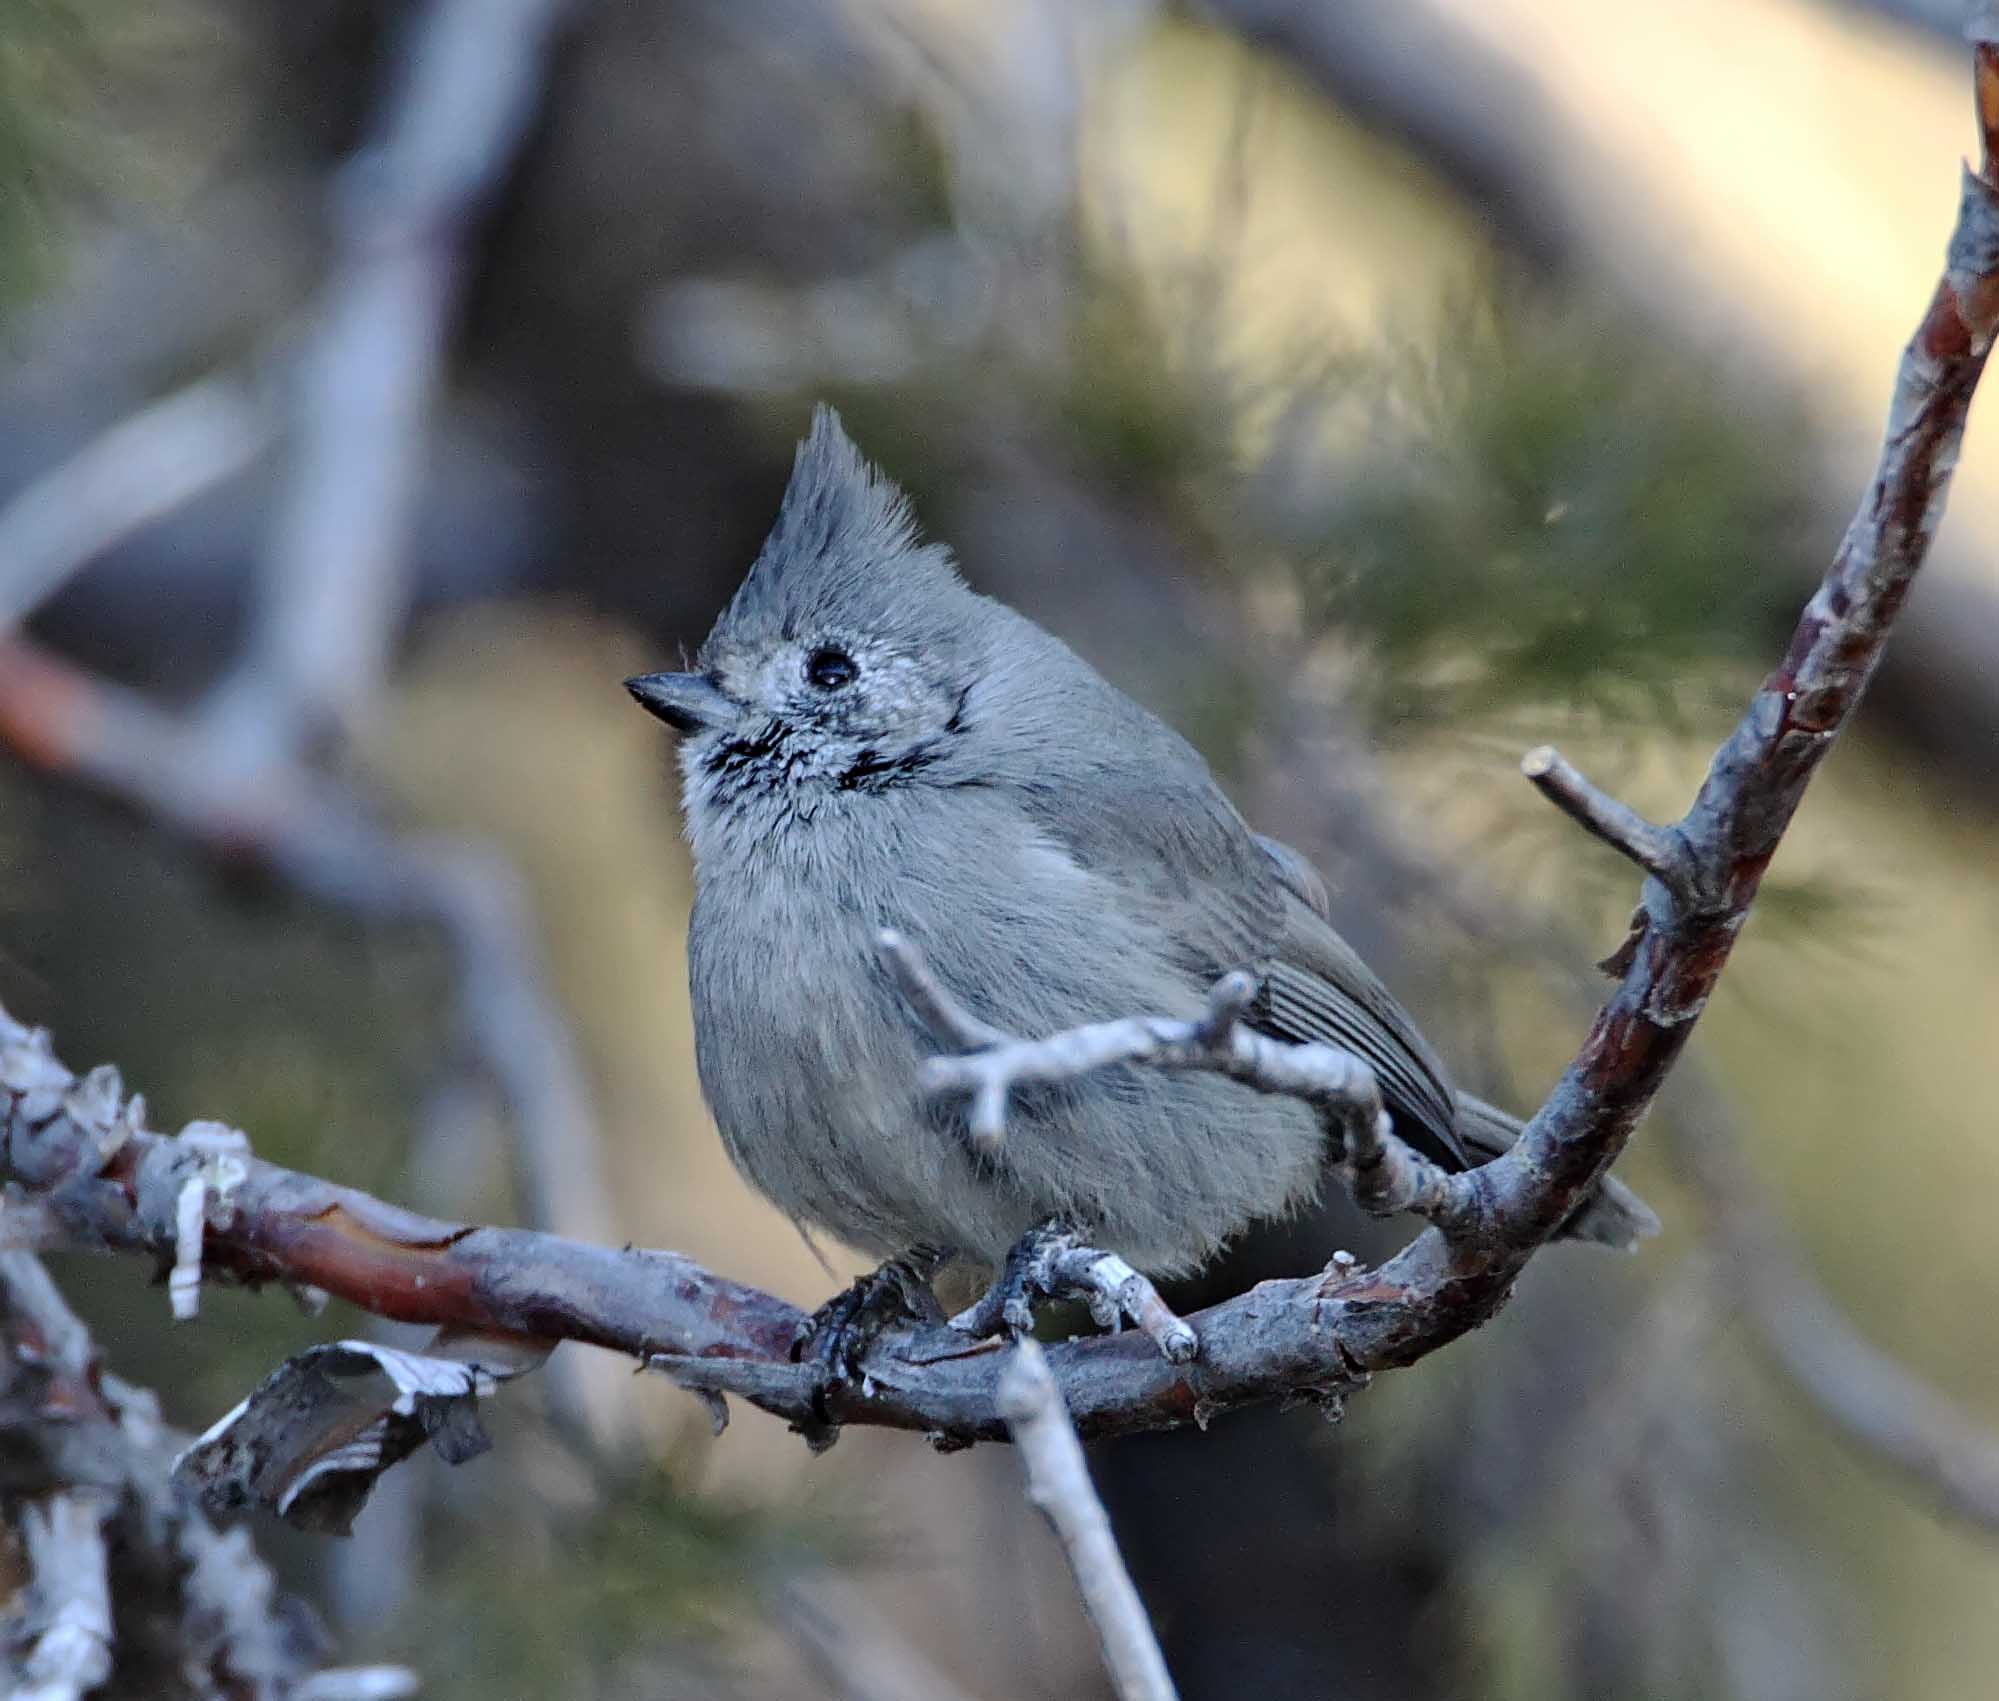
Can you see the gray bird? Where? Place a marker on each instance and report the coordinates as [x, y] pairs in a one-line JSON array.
[[867, 743]]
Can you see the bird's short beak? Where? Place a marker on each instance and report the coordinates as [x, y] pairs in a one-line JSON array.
[[687, 702]]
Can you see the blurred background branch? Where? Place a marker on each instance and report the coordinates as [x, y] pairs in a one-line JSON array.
[[134, 474], [463, 92], [1869, 1397]]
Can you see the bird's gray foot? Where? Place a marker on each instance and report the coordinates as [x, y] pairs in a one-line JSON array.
[[838, 1335], [1052, 1263]]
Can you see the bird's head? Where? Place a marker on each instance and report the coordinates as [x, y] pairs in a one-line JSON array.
[[843, 667]]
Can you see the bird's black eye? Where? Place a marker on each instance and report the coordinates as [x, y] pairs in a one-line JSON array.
[[829, 669]]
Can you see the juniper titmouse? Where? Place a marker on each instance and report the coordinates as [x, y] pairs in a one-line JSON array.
[[870, 744]]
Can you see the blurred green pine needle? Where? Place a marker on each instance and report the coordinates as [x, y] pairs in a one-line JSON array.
[[100, 99], [47, 50], [647, 1571], [1545, 505]]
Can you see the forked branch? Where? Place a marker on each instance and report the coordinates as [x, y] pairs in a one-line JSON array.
[[1384, 1174]]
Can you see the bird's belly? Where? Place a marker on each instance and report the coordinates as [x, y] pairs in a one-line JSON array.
[[810, 1063]]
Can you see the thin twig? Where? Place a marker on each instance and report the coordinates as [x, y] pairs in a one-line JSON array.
[[1654, 848], [1385, 1175], [1058, 1482], [948, 1021]]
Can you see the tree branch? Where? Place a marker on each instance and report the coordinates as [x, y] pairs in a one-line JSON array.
[[234, 778], [90, 1452], [1759, 775], [1058, 1482], [1873, 1401], [291, 822]]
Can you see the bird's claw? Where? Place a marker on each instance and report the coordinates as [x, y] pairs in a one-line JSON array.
[[840, 1334], [1052, 1263]]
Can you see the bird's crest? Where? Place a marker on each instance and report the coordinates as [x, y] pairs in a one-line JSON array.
[[845, 548]]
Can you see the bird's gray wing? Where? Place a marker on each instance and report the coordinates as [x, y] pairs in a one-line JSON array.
[[1316, 988], [1230, 899]]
